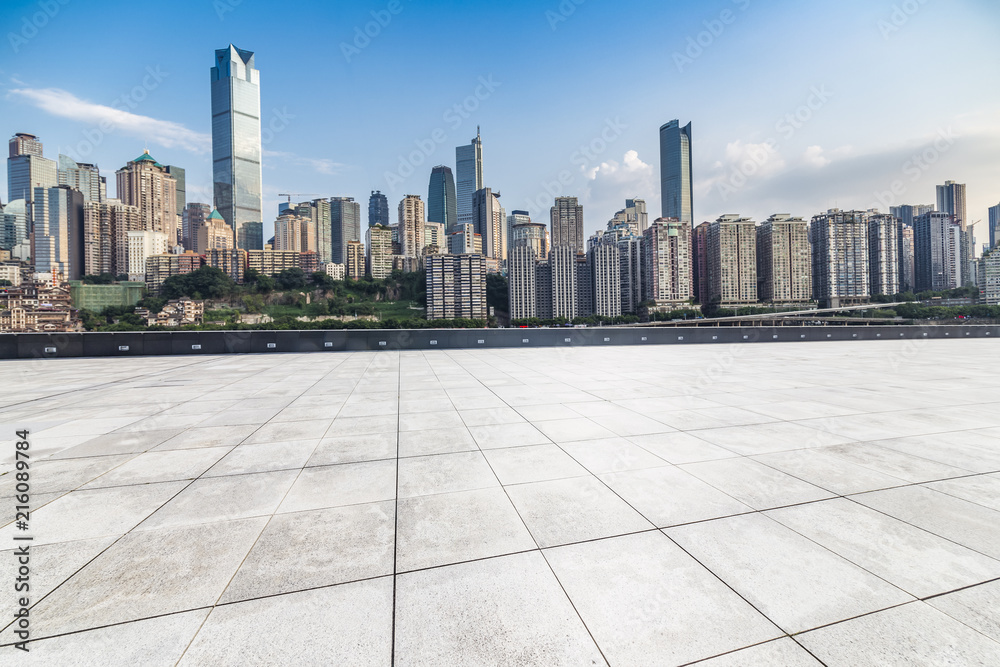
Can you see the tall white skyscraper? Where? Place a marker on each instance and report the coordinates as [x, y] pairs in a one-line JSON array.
[[236, 146], [469, 168]]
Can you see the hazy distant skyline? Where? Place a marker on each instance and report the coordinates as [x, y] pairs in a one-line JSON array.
[[569, 102]]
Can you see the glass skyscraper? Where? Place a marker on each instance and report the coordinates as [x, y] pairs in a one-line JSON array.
[[378, 209], [236, 149], [994, 225], [676, 183], [441, 203], [469, 176], [345, 226]]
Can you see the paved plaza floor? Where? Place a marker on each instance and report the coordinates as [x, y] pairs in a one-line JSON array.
[[776, 504]]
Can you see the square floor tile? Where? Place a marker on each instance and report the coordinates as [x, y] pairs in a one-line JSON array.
[[354, 449], [755, 484], [678, 447], [436, 441], [444, 473], [976, 607], [496, 436], [611, 455], [535, 463], [345, 484]]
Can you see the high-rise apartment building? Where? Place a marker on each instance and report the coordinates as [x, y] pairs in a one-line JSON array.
[[604, 261], [27, 169], [83, 177], [784, 260], [231, 261], [907, 212], [676, 182], [160, 268], [531, 234], [193, 217], [58, 232], [884, 245], [469, 177], [180, 182], [989, 277], [951, 199], [522, 290], [699, 262], [994, 222], [442, 202], [411, 219], [491, 223], [354, 268], [106, 225], [319, 213], [145, 184], [294, 233], [435, 238], [378, 209], [236, 144], [567, 224], [513, 219], [633, 218], [907, 277], [666, 262], [563, 281], [937, 249], [143, 244], [840, 257], [732, 261], [345, 225], [630, 272], [378, 243], [213, 234], [456, 287]]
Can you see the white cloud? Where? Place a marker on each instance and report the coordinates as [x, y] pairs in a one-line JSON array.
[[814, 157], [106, 119], [320, 165]]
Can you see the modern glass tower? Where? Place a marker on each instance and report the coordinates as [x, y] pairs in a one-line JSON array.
[[236, 149], [469, 180], [441, 203], [676, 183], [345, 226], [378, 209], [994, 225]]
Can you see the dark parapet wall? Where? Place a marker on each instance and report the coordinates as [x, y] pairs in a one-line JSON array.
[[106, 344]]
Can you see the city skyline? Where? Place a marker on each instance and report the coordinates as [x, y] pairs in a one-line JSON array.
[[816, 162]]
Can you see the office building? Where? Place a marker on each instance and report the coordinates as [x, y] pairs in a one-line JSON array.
[[456, 287], [521, 284], [784, 260], [567, 224], [490, 223], [213, 234], [840, 260], [106, 226], [27, 168], [907, 277], [194, 216], [378, 244], [468, 177], [907, 212], [236, 145], [604, 262], [83, 177], [442, 204], [463, 240], [937, 250], [145, 184], [513, 219], [666, 262], [884, 253], [345, 225], [13, 224], [994, 222], [141, 245], [676, 182], [58, 232], [251, 236], [411, 220], [435, 239], [318, 213], [732, 261], [378, 210]]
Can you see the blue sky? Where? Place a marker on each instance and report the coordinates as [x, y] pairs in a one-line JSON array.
[[891, 96]]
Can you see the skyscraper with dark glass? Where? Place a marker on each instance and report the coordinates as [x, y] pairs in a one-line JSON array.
[[441, 203], [378, 209], [236, 149], [345, 226], [469, 176], [676, 183]]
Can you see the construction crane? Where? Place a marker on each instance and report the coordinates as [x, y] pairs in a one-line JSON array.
[[297, 194]]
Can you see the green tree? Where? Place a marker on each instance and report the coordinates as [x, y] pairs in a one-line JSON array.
[[206, 283], [497, 295]]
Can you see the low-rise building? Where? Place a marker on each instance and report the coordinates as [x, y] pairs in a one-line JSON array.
[[273, 262], [335, 271], [37, 307], [177, 313]]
